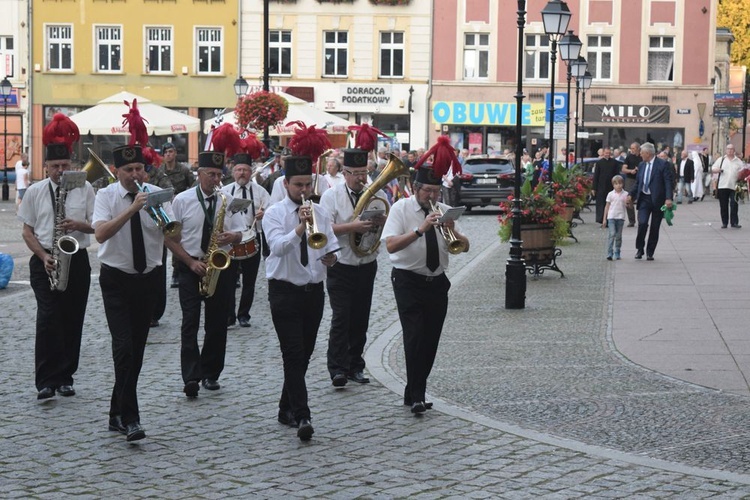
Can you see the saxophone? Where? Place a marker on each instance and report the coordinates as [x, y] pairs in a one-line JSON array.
[[63, 246], [216, 259]]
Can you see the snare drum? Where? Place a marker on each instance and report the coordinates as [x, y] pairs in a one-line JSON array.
[[246, 248]]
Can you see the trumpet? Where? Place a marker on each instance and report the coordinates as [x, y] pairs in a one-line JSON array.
[[315, 239], [160, 217], [455, 245]]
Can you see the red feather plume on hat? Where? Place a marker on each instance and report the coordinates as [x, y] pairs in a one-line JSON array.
[[308, 141], [226, 139], [61, 130], [366, 136], [136, 125], [254, 147], [151, 157], [444, 157]]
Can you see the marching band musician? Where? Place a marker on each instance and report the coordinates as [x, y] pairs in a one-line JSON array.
[[60, 314], [130, 255], [198, 209], [350, 283], [420, 256], [244, 188]]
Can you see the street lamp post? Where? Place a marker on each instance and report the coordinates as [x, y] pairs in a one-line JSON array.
[[240, 87], [585, 84], [578, 69], [515, 267], [266, 67], [555, 17], [5, 88], [570, 49]]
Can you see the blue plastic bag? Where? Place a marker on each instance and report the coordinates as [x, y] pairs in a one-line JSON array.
[[6, 269]]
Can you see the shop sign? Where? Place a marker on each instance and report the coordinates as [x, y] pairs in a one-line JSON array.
[[627, 113], [487, 113], [683, 111], [366, 95]]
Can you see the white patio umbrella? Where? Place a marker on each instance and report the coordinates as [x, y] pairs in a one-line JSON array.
[[106, 117], [299, 110]]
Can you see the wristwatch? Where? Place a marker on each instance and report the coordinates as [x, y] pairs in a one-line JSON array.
[[418, 232]]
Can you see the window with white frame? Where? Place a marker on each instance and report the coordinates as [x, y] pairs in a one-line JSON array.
[[59, 47], [7, 57], [335, 53], [209, 50], [476, 55], [280, 52], [537, 57], [391, 54], [661, 59], [159, 49], [599, 57], [108, 49]]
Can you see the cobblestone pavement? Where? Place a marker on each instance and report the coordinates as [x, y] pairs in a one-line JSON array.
[[532, 403]]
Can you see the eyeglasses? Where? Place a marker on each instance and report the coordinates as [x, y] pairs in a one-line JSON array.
[[355, 174]]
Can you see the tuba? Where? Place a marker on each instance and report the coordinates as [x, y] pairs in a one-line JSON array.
[[455, 246], [394, 169], [315, 239], [216, 259], [160, 217], [63, 246]]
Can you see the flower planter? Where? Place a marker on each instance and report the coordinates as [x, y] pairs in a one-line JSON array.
[[539, 251]]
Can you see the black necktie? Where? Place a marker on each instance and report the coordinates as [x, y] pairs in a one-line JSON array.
[[357, 236], [208, 224], [433, 259], [303, 258], [136, 234], [244, 197]]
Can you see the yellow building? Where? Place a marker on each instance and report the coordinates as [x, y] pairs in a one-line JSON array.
[[181, 54]]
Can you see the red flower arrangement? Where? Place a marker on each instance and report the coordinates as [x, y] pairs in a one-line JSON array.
[[260, 109]]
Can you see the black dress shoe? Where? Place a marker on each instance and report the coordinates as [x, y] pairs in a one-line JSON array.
[[418, 407], [649, 257], [339, 380], [46, 393], [66, 390], [631, 224], [286, 417], [244, 322], [736, 226], [723, 226], [358, 377], [211, 385], [191, 389], [134, 432], [115, 425], [305, 430], [427, 404], [639, 254]]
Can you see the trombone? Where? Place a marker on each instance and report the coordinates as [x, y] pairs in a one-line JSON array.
[[315, 239], [455, 245], [160, 217], [320, 166]]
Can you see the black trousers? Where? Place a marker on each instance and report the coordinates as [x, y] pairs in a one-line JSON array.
[[59, 321], [728, 207], [422, 305], [129, 305], [629, 183], [647, 209], [206, 363], [296, 312], [248, 269], [161, 297], [350, 295]]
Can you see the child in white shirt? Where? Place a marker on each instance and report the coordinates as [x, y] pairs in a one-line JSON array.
[[614, 217]]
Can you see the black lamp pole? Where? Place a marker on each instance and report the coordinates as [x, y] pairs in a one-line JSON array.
[[555, 17], [585, 82], [266, 67], [578, 69], [515, 267], [570, 48], [410, 109], [6, 88]]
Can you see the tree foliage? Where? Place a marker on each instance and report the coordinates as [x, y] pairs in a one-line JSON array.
[[735, 15]]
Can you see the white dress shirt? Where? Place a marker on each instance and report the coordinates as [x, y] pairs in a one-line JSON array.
[[284, 263], [37, 211], [405, 215], [117, 251], [339, 203], [189, 211], [256, 193]]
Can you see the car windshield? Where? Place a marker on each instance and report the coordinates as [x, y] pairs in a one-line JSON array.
[[487, 165]]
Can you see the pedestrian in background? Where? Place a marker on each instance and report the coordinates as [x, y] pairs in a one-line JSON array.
[[727, 167]]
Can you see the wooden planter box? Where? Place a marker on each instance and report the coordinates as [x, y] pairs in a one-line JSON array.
[[538, 246]]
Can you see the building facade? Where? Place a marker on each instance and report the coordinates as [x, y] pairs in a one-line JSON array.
[[652, 64]]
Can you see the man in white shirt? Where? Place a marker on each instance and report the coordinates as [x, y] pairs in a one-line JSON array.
[[198, 209], [245, 263], [350, 282], [295, 273], [728, 166], [60, 314], [130, 252]]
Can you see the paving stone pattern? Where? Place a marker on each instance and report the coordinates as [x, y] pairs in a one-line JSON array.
[[549, 368]]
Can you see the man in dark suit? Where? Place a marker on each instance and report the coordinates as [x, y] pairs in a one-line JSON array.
[[606, 168], [653, 189], [685, 175]]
